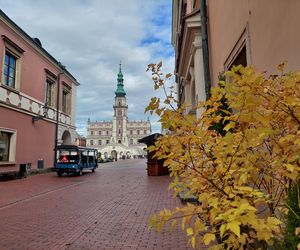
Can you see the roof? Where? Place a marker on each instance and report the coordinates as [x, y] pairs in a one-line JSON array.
[[73, 147], [33, 41], [150, 138]]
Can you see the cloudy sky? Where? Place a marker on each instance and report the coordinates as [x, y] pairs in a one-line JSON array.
[[91, 37]]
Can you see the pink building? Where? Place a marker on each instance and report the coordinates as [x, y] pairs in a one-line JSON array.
[[258, 33], [28, 101], [210, 36]]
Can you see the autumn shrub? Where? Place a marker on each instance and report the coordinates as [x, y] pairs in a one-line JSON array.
[[291, 237], [240, 175]]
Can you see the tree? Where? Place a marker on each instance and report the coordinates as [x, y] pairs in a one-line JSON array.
[[239, 177]]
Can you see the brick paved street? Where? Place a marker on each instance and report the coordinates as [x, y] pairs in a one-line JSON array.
[[105, 210]]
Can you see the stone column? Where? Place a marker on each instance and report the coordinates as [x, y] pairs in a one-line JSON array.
[[199, 72]]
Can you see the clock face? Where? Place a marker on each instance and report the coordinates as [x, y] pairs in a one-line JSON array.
[[119, 112]]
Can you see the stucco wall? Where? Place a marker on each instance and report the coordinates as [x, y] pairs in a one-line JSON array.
[[33, 65], [19, 105], [272, 28], [33, 142]]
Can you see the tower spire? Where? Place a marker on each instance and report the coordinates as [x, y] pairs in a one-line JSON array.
[[120, 92], [120, 67]]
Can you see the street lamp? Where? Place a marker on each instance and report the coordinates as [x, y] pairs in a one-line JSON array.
[[62, 71], [41, 117]]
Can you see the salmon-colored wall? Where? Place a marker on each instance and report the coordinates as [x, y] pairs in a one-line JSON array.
[[33, 141], [273, 31]]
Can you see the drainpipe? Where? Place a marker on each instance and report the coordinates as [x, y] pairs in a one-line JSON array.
[[62, 71], [205, 53]]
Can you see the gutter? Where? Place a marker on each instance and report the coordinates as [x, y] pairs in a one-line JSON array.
[[207, 79]]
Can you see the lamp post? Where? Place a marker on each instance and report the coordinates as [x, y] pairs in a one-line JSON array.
[[62, 68], [41, 117]]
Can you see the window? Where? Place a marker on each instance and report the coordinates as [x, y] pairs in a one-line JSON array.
[[99, 142], [240, 59], [99, 132], [131, 132], [119, 141], [10, 67], [12, 63], [145, 131], [65, 101], [107, 141], [138, 132], [92, 132], [7, 145], [241, 52], [50, 92], [91, 142], [107, 132], [119, 131], [131, 141], [4, 146]]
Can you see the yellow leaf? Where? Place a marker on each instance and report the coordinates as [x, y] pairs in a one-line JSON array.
[[234, 226], [264, 235], [273, 221], [151, 148], [246, 206], [289, 167], [229, 126], [173, 224], [244, 177], [208, 238], [222, 230], [193, 241], [189, 231], [183, 223], [213, 202]]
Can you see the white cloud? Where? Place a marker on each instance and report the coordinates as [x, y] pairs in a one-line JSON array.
[[90, 37]]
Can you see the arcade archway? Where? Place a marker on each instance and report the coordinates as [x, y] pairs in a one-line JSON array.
[[66, 138]]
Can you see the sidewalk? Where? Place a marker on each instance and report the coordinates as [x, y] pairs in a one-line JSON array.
[[105, 210]]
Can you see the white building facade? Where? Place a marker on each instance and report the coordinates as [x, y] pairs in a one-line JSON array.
[[118, 138]]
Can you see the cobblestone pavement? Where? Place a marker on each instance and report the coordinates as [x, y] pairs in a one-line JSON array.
[[105, 210]]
